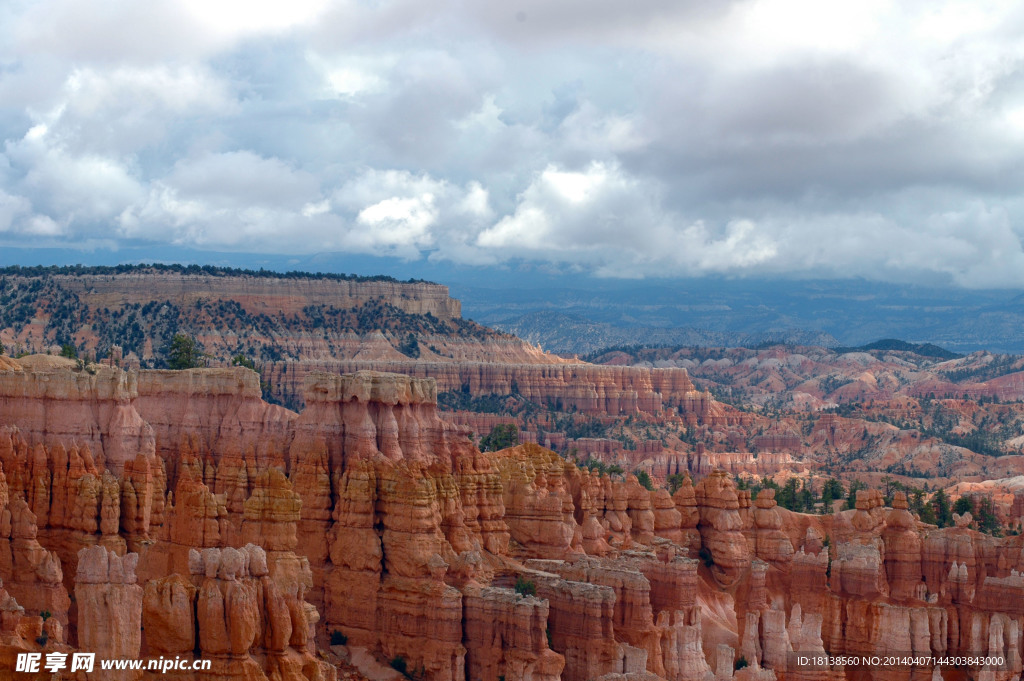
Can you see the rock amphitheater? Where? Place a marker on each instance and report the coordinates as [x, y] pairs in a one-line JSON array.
[[177, 514]]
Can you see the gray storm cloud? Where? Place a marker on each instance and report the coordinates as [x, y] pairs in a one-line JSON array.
[[655, 138]]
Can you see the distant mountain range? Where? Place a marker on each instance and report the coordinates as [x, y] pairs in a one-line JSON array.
[[893, 344], [602, 312], [748, 313], [573, 334]]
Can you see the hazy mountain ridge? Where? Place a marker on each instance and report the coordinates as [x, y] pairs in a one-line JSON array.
[[568, 333], [853, 311], [894, 344], [742, 312]]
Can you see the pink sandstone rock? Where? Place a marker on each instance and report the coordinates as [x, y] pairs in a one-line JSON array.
[[109, 606], [720, 524]]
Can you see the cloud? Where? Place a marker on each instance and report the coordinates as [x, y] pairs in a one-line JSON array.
[[115, 31], [12, 207], [397, 222], [238, 179], [780, 137], [565, 211], [603, 218], [399, 213], [69, 187], [235, 200]]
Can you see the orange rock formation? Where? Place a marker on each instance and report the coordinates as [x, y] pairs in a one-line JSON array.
[[191, 519]]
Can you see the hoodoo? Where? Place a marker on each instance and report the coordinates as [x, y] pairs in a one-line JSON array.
[[190, 518]]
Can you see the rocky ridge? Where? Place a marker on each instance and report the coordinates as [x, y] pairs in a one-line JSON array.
[[290, 327]]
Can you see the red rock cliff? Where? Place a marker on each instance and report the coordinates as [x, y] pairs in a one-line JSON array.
[[258, 531]]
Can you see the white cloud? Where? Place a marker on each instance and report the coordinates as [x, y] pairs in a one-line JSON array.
[[879, 138], [12, 207], [348, 75], [174, 89], [372, 186], [241, 178], [233, 18], [597, 133], [476, 203], [116, 31], [77, 187], [603, 218], [740, 247], [565, 210], [42, 225], [399, 213], [395, 222], [230, 199], [318, 208]]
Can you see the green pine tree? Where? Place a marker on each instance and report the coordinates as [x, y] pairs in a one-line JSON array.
[[183, 352]]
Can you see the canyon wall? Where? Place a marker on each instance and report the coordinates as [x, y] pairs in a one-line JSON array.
[[258, 295], [563, 386], [182, 506]]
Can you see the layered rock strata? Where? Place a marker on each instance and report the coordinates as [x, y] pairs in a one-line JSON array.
[[259, 295], [570, 387], [247, 535]]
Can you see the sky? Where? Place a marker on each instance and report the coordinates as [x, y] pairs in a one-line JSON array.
[[655, 138]]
